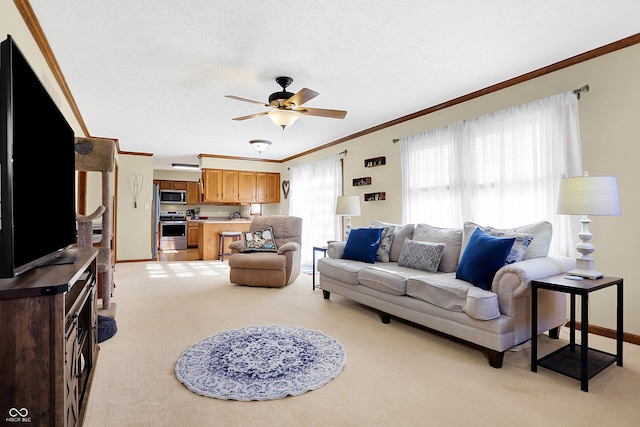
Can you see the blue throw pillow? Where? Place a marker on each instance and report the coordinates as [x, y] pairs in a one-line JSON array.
[[483, 256], [362, 244]]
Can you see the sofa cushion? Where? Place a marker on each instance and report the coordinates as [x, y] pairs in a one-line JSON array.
[[343, 270], [542, 232], [451, 237], [483, 256], [388, 280], [400, 233], [444, 290], [362, 244], [261, 240], [421, 255]]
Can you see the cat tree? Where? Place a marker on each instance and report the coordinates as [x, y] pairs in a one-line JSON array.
[[98, 155]]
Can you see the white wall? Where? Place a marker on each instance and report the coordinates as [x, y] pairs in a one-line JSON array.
[[11, 23], [133, 232]]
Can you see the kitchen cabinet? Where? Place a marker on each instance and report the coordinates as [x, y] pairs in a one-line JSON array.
[[194, 192], [171, 185], [273, 188], [229, 186], [246, 187], [212, 188], [48, 347], [192, 234], [267, 187], [240, 187]]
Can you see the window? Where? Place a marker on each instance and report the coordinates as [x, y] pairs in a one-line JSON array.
[[502, 169], [315, 188]]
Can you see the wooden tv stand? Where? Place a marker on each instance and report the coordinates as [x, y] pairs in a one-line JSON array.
[[48, 345]]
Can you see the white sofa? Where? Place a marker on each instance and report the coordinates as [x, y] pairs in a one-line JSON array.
[[495, 319]]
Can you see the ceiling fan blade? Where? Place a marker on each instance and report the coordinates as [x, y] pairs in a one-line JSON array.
[[237, 98], [300, 97], [334, 114], [250, 116]]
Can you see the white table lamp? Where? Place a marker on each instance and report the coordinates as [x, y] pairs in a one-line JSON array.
[[348, 206], [588, 195]]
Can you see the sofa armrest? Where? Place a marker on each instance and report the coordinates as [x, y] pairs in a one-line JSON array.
[[336, 249], [513, 280], [237, 246], [289, 246]]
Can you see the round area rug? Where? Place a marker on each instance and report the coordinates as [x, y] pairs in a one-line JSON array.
[[261, 363]]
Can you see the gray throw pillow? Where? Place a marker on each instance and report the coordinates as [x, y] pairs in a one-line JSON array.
[[421, 255]]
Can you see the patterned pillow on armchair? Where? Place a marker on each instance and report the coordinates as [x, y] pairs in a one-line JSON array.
[[260, 240]]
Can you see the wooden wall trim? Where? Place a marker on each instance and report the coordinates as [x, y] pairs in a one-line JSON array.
[[135, 153], [609, 333], [33, 24], [81, 193], [218, 156]]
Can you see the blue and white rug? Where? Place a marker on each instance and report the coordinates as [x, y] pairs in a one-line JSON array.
[[261, 363]]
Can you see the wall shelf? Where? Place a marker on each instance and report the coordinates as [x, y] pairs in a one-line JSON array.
[[375, 161], [374, 197], [357, 182]]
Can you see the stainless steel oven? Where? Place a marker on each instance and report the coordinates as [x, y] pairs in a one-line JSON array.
[[173, 230]]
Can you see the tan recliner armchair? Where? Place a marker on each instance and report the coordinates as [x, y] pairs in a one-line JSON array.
[[269, 269]]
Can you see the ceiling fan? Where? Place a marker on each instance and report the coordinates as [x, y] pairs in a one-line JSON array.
[[288, 106]]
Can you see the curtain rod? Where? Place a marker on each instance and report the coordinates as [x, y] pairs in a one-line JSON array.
[[578, 91]]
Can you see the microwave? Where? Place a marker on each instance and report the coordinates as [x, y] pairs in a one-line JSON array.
[[174, 197]]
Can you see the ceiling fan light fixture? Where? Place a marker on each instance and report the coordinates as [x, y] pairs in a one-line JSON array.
[[260, 145], [284, 118]]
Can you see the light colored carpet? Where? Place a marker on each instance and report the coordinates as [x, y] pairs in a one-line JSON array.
[[397, 374]]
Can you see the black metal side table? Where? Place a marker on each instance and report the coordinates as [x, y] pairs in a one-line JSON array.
[[322, 249], [577, 361]]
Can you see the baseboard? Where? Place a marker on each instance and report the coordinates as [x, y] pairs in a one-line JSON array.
[[610, 333]]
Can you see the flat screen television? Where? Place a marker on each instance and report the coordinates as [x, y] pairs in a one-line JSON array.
[[37, 170]]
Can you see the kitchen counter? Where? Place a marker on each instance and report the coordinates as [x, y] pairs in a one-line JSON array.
[[222, 220], [209, 234]]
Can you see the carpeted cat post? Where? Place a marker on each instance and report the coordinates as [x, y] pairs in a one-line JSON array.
[[98, 155]]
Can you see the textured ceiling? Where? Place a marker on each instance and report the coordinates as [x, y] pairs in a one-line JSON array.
[[154, 73]]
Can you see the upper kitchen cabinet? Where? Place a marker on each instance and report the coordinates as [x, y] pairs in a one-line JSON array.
[[194, 192], [246, 187], [229, 186], [267, 187], [172, 185], [212, 185], [240, 187]]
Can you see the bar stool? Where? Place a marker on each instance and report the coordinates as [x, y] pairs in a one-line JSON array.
[[234, 235]]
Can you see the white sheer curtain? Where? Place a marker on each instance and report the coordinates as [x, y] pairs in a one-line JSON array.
[[315, 187], [502, 169]]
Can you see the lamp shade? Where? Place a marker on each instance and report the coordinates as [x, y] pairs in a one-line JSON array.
[[589, 195], [284, 118], [348, 206]]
